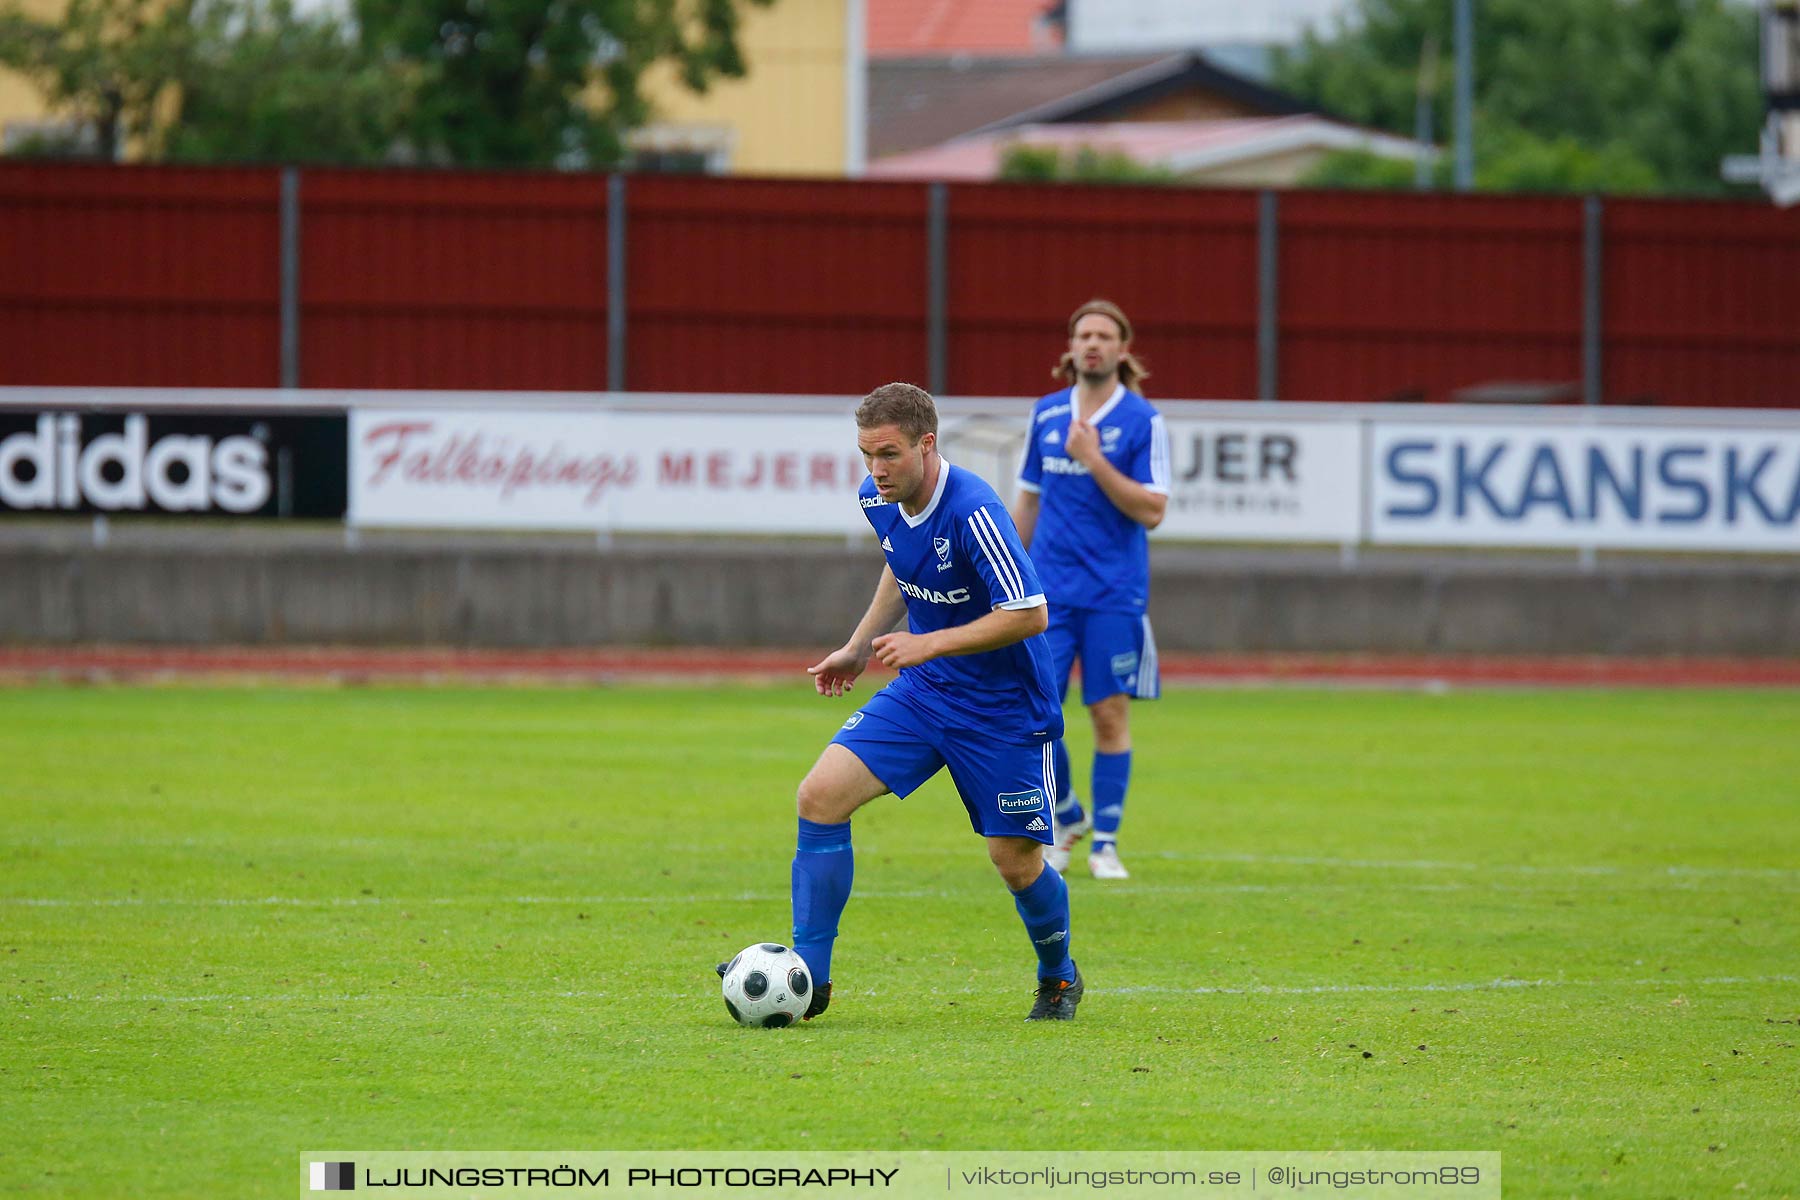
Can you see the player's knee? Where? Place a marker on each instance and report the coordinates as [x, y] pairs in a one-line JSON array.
[[815, 800], [1112, 722], [1018, 861]]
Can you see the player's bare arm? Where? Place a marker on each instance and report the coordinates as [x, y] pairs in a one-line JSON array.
[[836, 673], [1001, 627], [1024, 512], [1127, 494]]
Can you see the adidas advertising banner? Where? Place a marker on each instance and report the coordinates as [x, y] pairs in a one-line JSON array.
[[1623, 487], [119, 461], [606, 470], [1263, 480]]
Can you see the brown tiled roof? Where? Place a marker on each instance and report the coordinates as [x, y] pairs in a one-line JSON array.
[[916, 102]]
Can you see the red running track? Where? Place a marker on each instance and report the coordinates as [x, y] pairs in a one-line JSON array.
[[575, 666]]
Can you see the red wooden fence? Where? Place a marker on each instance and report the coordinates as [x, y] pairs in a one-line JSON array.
[[115, 275]]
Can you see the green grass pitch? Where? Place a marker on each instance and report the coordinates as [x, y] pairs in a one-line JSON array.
[[240, 922]]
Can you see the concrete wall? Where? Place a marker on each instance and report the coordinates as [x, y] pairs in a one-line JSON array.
[[786, 594]]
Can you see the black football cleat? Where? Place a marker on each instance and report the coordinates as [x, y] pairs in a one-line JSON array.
[[821, 1000], [1056, 999]]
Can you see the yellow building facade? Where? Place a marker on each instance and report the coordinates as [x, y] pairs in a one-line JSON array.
[[23, 113], [799, 110]]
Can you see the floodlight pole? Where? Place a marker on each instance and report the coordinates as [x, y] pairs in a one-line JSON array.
[[1465, 95], [1422, 114]]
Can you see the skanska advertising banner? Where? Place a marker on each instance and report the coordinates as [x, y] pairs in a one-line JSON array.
[[1612, 487]]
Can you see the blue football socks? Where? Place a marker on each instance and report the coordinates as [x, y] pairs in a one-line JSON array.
[[1068, 808], [1044, 907], [824, 866], [1112, 775]]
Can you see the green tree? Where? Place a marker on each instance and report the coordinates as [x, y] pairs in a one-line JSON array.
[[1508, 159], [467, 82], [1021, 162], [273, 85], [541, 82], [1585, 94], [109, 67]]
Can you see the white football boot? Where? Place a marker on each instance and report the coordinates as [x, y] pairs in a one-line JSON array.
[[1062, 845], [1104, 863]]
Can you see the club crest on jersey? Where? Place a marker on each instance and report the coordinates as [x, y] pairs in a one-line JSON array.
[[1109, 437], [942, 546]]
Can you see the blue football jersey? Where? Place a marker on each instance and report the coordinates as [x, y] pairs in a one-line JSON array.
[[1088, 553], [957, 561]]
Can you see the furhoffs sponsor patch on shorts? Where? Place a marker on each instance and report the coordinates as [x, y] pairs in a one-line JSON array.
[[1022, 802]]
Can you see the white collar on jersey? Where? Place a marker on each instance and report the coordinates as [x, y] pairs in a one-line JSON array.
[[937, 494], [1112, 402]]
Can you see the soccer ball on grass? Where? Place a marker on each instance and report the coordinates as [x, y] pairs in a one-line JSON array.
[[768, 985]]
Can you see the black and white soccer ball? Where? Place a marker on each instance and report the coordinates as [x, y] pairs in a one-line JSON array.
[[768, 985]]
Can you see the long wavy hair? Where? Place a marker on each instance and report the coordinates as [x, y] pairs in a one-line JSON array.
[[1132, 372]]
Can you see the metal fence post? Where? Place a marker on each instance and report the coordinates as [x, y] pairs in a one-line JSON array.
[[1268, 296], [615, 282], [937, 289], [290, 277], [1593, 296], [1465, 95]]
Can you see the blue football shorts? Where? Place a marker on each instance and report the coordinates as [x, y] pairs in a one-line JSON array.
[[1117, 651], [1003, 784]]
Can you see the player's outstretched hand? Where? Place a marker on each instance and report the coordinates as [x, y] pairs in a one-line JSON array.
[[836, 673], [902, 649]]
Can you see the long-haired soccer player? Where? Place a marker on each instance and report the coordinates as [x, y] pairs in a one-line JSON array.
[[1094, 479]]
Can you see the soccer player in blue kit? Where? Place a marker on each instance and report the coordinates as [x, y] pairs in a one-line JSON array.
[[974, 693], [1093, 480]]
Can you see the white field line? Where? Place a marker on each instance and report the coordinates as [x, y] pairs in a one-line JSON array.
[[1367, 864], [653, 901], [1088, 893], [1323, 989], [1672, 870]]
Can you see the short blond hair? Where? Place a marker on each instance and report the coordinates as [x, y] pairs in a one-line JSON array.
[[902, 404]]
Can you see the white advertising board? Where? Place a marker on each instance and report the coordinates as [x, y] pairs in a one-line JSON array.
[[1231, 479], [605, 470], [1617, 486], [1693, 480], [1264, 480]]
